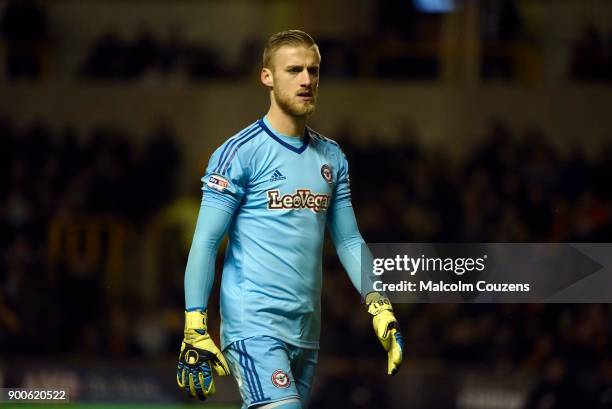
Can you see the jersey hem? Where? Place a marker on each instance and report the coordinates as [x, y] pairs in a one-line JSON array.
[[314, 345], [267, 402]]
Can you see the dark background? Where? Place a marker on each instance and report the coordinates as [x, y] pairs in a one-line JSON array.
[[488, 122]]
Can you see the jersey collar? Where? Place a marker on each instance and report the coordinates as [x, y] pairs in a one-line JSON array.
[[295, 149]]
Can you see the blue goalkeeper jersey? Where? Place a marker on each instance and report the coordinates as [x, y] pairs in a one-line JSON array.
[[279, 190]]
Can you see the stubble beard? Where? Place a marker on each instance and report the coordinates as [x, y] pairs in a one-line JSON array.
[[293, 108]]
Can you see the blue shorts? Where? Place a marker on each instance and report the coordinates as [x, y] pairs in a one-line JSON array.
[[269, 370]]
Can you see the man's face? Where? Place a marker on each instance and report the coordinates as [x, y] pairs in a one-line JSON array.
[[295, 79]]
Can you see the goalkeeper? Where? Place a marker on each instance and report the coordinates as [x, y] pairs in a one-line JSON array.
[[273, 188]]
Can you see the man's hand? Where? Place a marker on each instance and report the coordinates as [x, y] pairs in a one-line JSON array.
[[198, 354], [386, 329]]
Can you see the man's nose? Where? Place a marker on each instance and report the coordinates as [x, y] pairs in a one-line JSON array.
[[305, 78]]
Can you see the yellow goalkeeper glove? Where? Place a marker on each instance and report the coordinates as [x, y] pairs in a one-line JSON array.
[[198, 354], [386, 329]]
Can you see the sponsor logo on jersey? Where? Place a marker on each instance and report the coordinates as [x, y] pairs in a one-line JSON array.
[[327, 174], [301, 199], [276, 176], [217, 182], [280, 379]]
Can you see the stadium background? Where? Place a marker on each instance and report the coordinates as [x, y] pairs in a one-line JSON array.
[[466, 121]]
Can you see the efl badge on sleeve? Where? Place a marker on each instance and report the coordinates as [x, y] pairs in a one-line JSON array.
[[218, 183]]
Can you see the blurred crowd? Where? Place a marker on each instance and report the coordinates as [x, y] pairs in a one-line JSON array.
[[510, 188], [405, 43], [112, 57], [52, 176]]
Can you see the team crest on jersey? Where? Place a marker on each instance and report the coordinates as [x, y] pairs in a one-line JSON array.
[[280, 379], [217, 182], [326, 172], [301, 199]]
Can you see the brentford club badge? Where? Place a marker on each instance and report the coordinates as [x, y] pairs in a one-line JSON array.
[[327, 173], [280, 379]]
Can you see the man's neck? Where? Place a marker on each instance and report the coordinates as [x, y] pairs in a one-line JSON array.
[[286, 124]]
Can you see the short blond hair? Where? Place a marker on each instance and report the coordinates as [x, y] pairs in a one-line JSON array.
[[287, 37]]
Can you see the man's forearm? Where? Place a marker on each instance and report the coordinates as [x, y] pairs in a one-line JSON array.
[[350, 245], [200, 272]]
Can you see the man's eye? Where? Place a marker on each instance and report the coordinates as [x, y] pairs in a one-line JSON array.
[[313, 71]]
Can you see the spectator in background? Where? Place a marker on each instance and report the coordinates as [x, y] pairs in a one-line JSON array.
[[24, 31], [106, 58], [144, 54], [588, 58], [171, 51], [609, 62], [405, 45], [113, 58], [501, 30]]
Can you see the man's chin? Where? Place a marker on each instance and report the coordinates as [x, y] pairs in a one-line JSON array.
[[302, 111], [308, 111], [307, 108]]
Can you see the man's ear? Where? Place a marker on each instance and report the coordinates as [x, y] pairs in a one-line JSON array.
[[266, 77]]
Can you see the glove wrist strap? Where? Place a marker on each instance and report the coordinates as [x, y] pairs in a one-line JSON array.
[[196, 320], [378, 303]]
